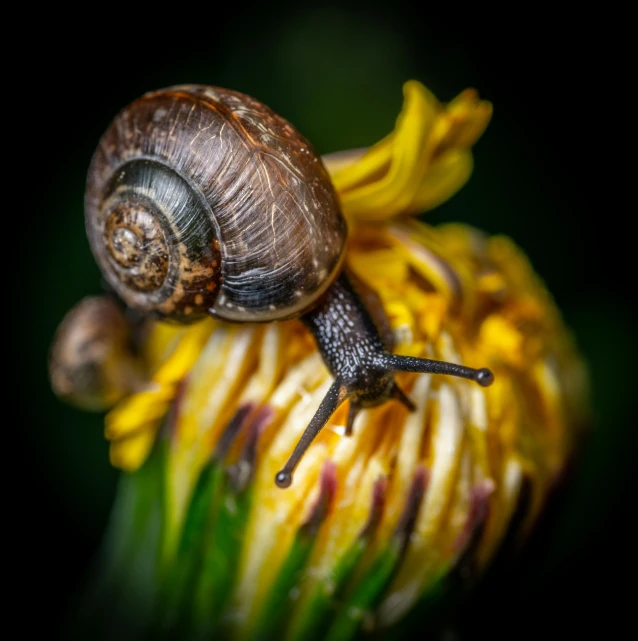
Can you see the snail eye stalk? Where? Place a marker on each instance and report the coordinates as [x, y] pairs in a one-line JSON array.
[[394, 363], [329, 405]]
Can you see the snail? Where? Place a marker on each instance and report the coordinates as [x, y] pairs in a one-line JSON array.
[[203, 201], [95, 359]]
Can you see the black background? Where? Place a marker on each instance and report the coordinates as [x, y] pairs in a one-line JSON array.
[[550, 172]]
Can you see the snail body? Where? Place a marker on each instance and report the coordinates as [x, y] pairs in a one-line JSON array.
[[202, 200]]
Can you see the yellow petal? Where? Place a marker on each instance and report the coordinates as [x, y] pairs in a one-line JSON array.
[[183, 358], [447, 450], [388, 195], [423, 162], [143, 411], [225, 361], [163, 339], [468, 117], [381, 265], [338, 160], [129, 454], [444, 178], [138, 412]]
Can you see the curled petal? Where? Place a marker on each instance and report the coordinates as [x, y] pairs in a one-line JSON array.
[[419, 165]]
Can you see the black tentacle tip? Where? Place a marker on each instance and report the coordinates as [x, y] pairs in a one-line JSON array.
[[484, 377], [283, 479]]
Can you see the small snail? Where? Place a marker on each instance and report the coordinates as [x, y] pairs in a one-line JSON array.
[[94, 360], [201, 200]]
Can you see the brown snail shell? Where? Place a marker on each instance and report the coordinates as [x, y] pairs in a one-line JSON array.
[[202, 200], [92, 363]]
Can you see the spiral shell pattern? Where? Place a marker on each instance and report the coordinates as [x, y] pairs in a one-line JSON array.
[[202, 200]]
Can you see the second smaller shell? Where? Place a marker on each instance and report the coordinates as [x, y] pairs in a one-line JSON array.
[[92, 363]]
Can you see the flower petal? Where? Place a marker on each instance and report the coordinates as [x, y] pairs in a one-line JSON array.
[[130, 452], [419, 165], [443, 179], [401, 158]]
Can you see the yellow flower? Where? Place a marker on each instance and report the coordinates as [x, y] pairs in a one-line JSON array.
[[374, 522]]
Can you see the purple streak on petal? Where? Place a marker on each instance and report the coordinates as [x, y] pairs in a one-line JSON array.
[[241, 473], [477, 517], [376, 507], [407, 521], [262, 419], [257, 424], [319, 511], [231, 430], [170, 425]]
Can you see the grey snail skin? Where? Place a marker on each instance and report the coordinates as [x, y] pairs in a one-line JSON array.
[[203, 201]]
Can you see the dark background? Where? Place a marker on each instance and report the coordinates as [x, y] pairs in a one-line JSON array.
[[547, 173]]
